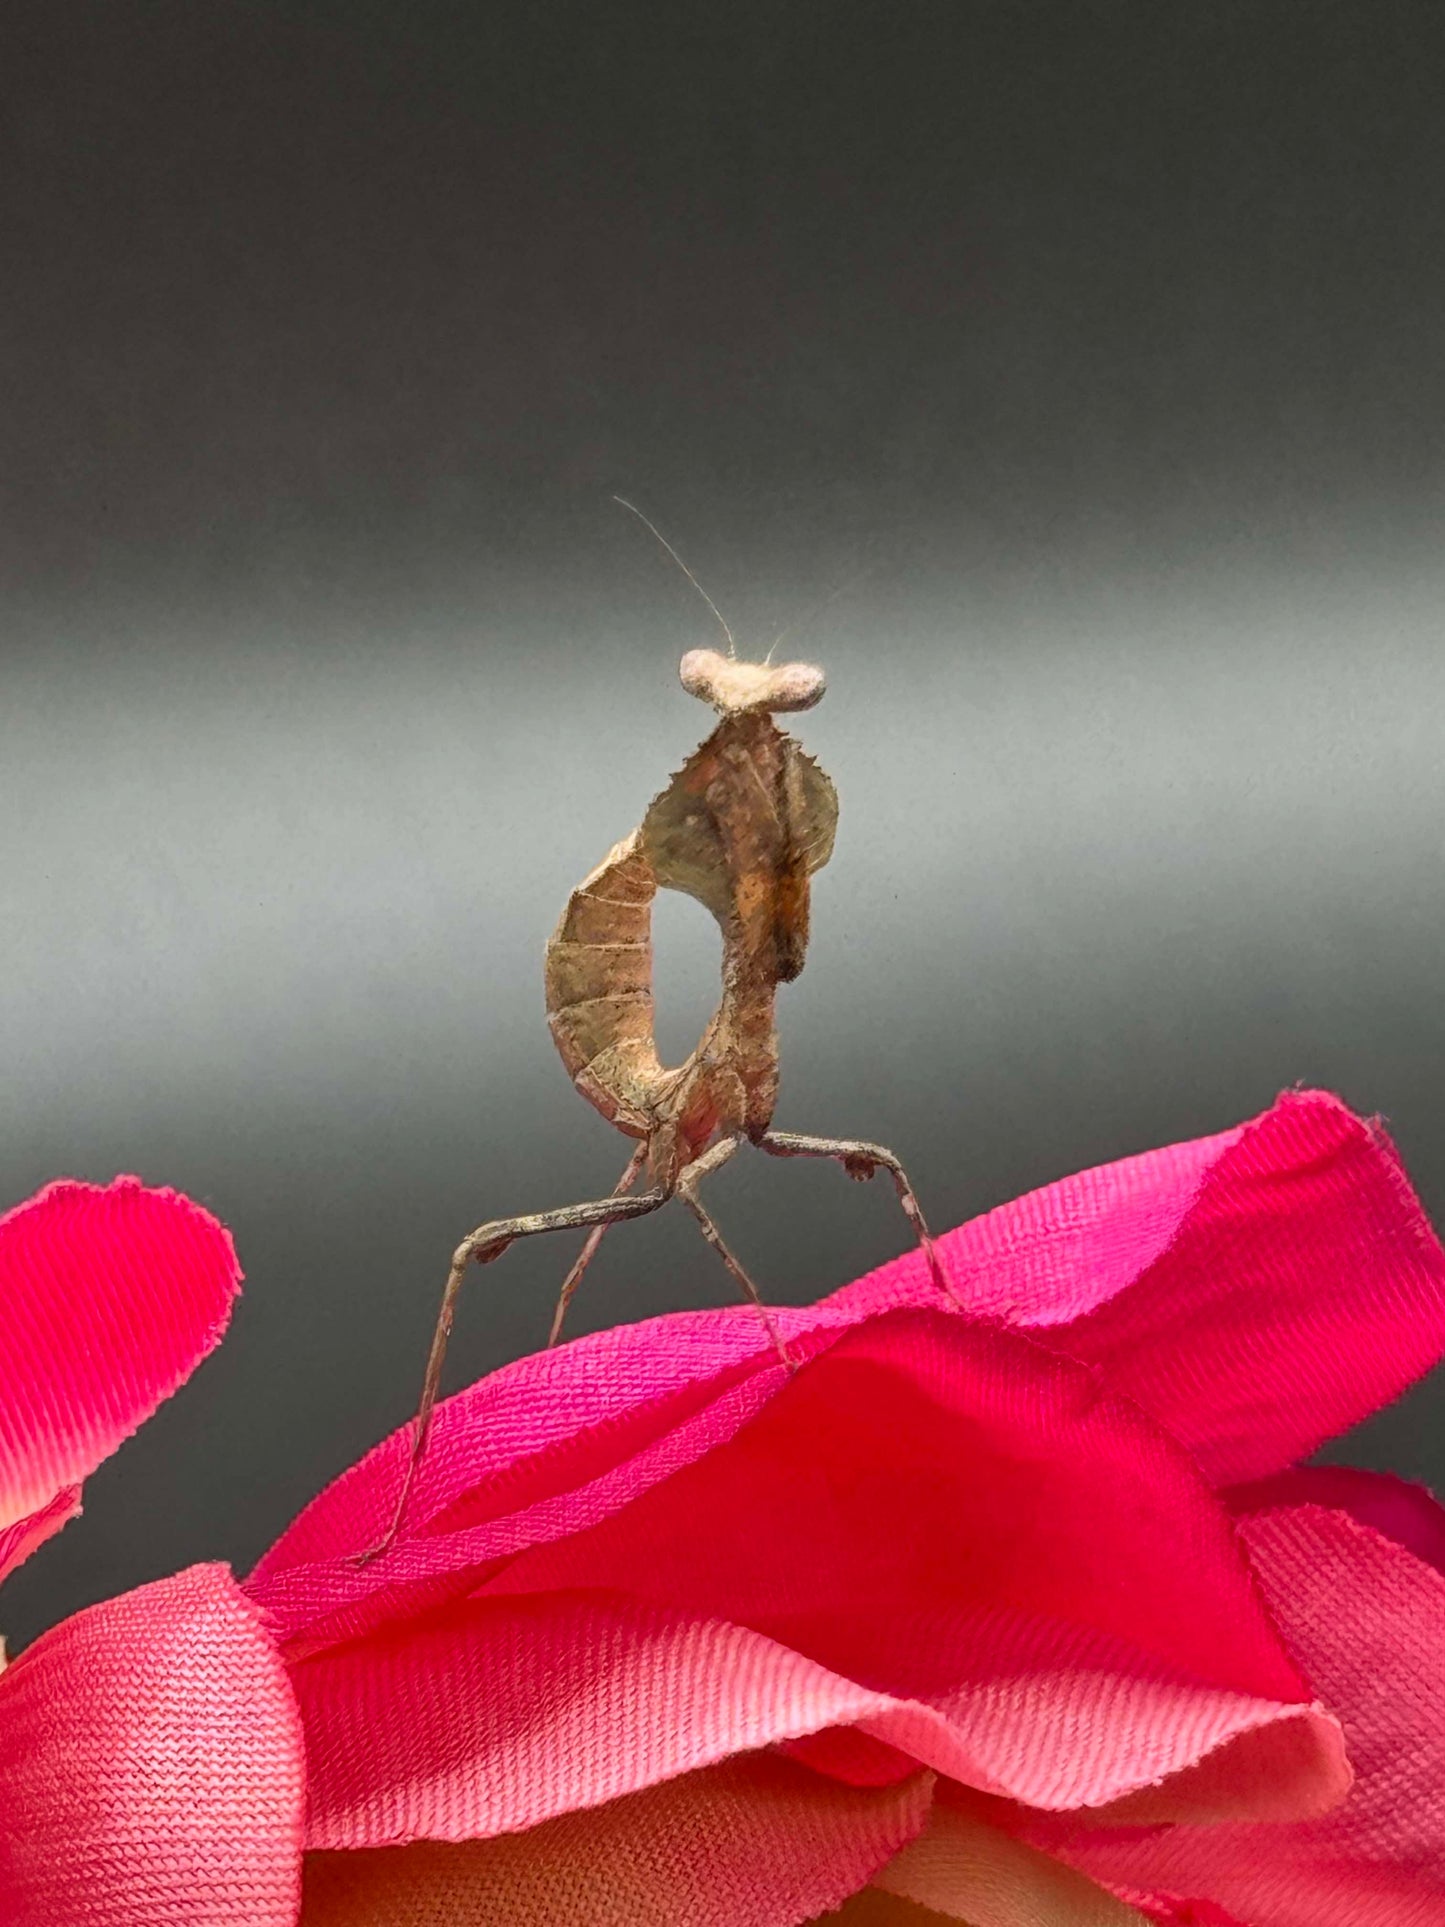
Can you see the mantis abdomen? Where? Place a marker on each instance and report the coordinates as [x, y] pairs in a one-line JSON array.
[[599, 990]]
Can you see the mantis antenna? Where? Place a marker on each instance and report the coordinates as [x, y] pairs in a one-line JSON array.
[[632, 509], [815, 609]]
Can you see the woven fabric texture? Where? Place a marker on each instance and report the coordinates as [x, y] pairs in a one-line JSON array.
[[758, 1842], [1004, 1548], [110, 1293], [1014, 1619], [933, 1511], [1368, 1620], [150, 1767]]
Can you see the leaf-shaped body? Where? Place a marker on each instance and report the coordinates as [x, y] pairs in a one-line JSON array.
[[740, 828]]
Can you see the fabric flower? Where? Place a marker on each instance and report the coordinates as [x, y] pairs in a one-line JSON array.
[[150, 1754], [1017, 1616]]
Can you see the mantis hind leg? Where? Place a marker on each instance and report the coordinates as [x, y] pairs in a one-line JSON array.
[[687, 1191], [483, 1246], [862, 1161], [589, 1250]]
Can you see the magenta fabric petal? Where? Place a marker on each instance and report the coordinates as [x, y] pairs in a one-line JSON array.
[[947, 1513], [1409, 1514], [109, 1297], [939, 1534], [570, 1484], [550, 1420], [150, 1755], [1258, 1292], [1367, 1620]]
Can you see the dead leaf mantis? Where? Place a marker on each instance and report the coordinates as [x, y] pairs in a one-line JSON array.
[[741, 827]]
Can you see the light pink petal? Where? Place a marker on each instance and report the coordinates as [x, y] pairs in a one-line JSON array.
[[939, 1534], [963, 1868], [109, 1297], [756, 1842], [570, 1701], [573, 1700], [1367, 1620], [19, 1540], [1257, 1292], [151, 1762]]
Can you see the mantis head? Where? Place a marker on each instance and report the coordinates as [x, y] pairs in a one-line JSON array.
[[736, 687]]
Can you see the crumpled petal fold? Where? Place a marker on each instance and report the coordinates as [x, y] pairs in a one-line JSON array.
[[939, 1534], [1367, 1619], [1257, 1292]]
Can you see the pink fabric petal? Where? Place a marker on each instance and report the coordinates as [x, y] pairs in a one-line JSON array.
[[922, 1535], [151, 1762], [944, 1512], [571, 1701], [567, 1485], [1367, 1620], [757, 1842], [1257, 1292], [550, 1421], [1409, 1514], [18, 1541], [109, 1297]]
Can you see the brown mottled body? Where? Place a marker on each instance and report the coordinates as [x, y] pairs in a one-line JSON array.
[[741, 827]]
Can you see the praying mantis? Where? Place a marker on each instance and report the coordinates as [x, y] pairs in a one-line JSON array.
[[741, 827]]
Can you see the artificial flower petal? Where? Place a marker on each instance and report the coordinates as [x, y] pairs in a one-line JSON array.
[[944, 1511], [150, 1755], [475, 1506], [756, 1842], [921, 1535], [1409, 1514], [111, 1295], [965, 1869], [19, 1540], [1367, 1620], [572, 1701], [1257, 1292]]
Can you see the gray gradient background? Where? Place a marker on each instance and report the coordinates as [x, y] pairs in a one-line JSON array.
[[1105, 339]]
